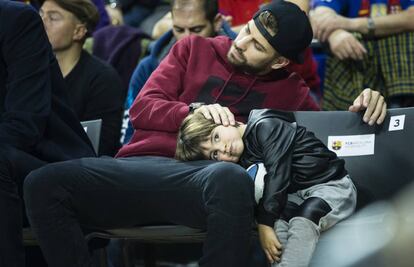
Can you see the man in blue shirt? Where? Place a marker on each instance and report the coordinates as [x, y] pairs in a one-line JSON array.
[[372, 45]]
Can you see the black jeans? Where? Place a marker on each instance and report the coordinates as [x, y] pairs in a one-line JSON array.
[[14, 167], [63, 199]]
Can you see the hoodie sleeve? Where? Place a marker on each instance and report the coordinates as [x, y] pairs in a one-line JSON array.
[[25, 51], [275, 138], [157, 106], [309, 104]]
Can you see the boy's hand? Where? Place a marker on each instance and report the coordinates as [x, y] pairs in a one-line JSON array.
[[270, 243]]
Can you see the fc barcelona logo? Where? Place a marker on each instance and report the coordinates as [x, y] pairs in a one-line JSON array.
[[336, 145]]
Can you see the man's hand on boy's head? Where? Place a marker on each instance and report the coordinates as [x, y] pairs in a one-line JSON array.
[[374, 105], [220, 115], [270, 243]]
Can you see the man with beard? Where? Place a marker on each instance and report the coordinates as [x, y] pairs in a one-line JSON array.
[[144, 185]]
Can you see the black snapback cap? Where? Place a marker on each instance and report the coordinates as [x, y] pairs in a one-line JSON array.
[[294, 33]]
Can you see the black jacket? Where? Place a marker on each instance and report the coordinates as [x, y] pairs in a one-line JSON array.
[[35, 115], [294, 159]]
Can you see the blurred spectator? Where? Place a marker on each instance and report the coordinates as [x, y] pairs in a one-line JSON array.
[[103, 15], [241, 11], [137, 13], [162, 26], [100, 5], [115, 13], [37, 124], [34, 3], [199, 17], [122, 47], [372, 46], [94, 86]]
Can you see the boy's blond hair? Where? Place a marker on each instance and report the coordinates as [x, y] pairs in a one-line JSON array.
[[194, 130]]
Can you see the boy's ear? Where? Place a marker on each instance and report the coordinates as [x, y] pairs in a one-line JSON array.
[[80, 32], [280, 62]]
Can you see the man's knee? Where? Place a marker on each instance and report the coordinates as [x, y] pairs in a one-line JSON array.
[[47, 184], [230, 178], [230, 187]]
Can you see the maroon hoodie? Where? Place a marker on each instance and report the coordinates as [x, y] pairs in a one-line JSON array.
[[197, 70]]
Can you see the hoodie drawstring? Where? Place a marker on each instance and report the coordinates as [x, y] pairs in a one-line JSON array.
[[223, 87], [246, 92]]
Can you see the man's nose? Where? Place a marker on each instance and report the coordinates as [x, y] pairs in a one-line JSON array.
[[242, 43], [187, 32]]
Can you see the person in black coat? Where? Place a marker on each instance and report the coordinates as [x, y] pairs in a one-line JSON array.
[[37, 124], [94, 87]]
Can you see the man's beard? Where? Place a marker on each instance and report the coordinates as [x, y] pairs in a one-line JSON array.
[[244, 66]]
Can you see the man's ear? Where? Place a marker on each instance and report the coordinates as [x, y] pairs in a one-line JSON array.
[[217, 22], [80, 32], [280, 62]]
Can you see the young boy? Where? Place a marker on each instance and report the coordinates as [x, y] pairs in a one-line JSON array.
[[297, 164]]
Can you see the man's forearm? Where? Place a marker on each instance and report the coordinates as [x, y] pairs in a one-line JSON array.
[[385, 25]]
